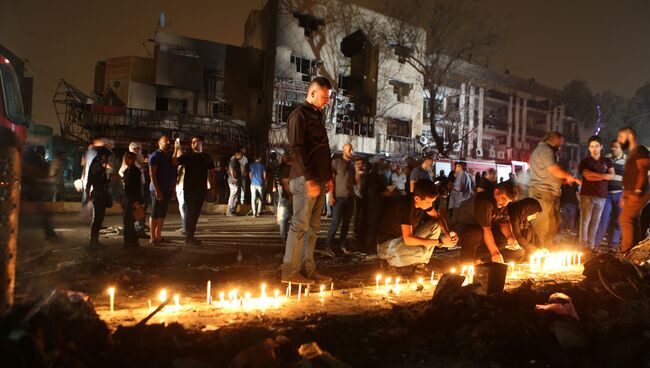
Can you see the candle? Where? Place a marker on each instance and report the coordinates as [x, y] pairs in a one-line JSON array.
[[111, 296], [470, 273], [420, 281], [512, 266], [332, 288], [208, 298], [388, 281], [149, 303], [322, 289], [397, 280], [431, 277], [221, 297], [177, 301], [263, 294], [463, 270], [276, 294], [453, 270], [163, 295], [377, 279], [299, 291]]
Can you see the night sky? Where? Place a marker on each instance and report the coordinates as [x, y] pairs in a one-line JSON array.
[[604, 42]]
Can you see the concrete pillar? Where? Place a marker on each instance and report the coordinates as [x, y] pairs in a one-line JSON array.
[[470, 127], [462, 110], [517, 120], [481, 111], [524, 122], [509, 137]]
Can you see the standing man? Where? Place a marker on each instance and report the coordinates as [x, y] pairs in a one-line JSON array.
[[635, 188], [310, 173], [546, 178], [234, 183], [243, 166], [162, 170], [398, 179], [609, 220], [97, 191], [199, 169], [132, 200], [342, 201], [461, 188], [596, 171], [421, 172], [257, 175]]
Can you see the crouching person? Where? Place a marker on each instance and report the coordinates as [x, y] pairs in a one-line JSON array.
[[521, 213], [132, 179], [483, 225], [411, 228]]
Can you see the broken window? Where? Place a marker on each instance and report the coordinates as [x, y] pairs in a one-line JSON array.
[[304, 66], [221, 109], [401, 89], [213, 80], [398, 128], [309, 22]]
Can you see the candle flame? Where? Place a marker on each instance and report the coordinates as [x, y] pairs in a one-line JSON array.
[[163, 295]]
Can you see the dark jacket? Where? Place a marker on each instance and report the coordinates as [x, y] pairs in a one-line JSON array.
[[132, 185], [309, 144]]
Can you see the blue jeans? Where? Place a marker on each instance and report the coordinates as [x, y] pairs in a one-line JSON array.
[[569, 211], [341, 214], [255, 190], [283, 214], [609, 221], [303, 231], [590, 210], [182, 208], [234, 196]]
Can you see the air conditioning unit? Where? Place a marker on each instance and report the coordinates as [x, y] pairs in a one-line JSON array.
[[501, 155], [479, 152]]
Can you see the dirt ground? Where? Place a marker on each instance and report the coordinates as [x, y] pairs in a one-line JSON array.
[[356, 322]]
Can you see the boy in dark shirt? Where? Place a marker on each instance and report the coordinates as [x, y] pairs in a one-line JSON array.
[[132, 180], [411, 228]]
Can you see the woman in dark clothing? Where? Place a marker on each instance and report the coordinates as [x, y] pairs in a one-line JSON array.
[[521, 213]]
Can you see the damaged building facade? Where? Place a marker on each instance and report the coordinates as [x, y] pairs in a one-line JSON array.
[[188, 86], [380, 105]]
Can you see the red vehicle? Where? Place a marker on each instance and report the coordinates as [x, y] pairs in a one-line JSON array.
[[12, 114]]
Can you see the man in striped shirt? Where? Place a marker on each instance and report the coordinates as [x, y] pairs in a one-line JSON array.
[[609, 219]]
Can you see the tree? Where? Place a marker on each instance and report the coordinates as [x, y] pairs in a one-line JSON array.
[[580, 102], [435, 37]]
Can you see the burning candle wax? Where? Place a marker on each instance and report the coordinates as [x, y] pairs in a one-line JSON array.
[[222, 296], [208, 298], [377, 279], [177, 301], [111, 296], [163, 295], [388, 281]]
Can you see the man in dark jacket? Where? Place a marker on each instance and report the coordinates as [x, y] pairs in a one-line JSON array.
[[97, 191], [310, 174], [132, 179]]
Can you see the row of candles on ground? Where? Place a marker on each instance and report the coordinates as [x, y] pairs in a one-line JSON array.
[[545, 261], [234, 299]]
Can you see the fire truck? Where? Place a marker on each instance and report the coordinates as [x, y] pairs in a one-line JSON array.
[[12, 113]]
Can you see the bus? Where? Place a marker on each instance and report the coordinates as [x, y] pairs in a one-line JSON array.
[[12, 113]]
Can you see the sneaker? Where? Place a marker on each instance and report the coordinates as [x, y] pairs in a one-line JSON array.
[[192, 241], [319, 278], [297, 278]]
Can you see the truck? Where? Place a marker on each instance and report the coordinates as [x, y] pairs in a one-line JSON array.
[[12, 113]]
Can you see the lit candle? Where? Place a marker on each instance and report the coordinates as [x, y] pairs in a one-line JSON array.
[[332, 289], [263, 294], [421, 281], [388, 281], [299, 291], [111, 296], [163, 295], [322, 289], [208, 298], [453, 270], [512, 266], [397, 280], [463, 270], [276, 295], [221, 297], [377, 279], [177, 301], [470, 273]]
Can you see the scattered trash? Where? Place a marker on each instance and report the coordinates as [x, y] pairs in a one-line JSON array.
[[561, 304]]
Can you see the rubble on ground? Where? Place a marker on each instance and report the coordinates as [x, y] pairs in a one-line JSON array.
[[603, 320]]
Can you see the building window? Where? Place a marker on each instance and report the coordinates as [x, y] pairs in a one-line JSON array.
[[398, 128], [221, 109], [304, 66], [213, 80], [401, 89]]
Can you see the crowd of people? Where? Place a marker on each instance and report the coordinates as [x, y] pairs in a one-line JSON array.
[[400, 211]]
